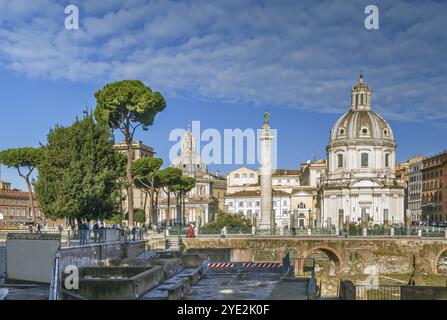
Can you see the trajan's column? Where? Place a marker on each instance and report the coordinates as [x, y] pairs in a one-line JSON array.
[[267, 217]]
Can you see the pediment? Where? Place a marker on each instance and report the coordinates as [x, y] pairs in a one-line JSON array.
[[301, 194], [366, 183]]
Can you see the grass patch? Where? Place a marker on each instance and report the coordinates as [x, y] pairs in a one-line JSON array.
[[427, 279]]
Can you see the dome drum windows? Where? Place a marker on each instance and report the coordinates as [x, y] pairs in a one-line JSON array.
[[364, 159], [339, 160], [387, 160]]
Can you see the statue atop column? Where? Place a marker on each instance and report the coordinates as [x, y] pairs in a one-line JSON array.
[[266, 118]]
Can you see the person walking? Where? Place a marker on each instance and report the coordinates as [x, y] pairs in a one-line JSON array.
[[95, 231], [134, 231], [60, 229], [102, 233]]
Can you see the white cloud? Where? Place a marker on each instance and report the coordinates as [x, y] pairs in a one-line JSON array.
[[297, 54]]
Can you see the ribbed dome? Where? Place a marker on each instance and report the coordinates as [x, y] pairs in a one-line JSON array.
[[361, 124]]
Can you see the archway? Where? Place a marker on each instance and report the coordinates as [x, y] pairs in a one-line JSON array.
[[441, 262], [325, 258]]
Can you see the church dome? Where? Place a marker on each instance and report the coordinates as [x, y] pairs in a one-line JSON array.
[[360, 123]]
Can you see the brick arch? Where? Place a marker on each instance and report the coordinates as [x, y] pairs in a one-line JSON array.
[[438, 256], [330, 252]]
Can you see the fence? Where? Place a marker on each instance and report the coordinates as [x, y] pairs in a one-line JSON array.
[[349, 291], [54, 293], [230, 268], [364, 292], [84, 237]]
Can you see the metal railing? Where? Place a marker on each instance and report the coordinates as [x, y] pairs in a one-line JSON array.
[[365, 292], [55, 283], [245, 268]]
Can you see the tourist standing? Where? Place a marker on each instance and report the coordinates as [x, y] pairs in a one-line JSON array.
[[95, 231]]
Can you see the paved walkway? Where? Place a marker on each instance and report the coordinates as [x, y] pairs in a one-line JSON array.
[[295, 289]]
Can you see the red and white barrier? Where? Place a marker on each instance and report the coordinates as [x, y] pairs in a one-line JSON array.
[[261, 265], [220, 265]]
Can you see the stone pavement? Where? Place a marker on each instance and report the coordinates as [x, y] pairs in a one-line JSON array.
[[35, 293], [290, 289]]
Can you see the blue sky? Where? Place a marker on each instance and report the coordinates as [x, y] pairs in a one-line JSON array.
[[225, 63]]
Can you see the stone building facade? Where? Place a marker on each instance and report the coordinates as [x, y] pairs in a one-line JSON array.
[[361, 184], [434, 188], [15, 210], [294, 198], [414, 187], [204, 200]]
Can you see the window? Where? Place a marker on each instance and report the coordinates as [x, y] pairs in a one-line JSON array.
[[340, 161], [237, 176], [364, 131], [244, 175], [387, 160], [230, 204], [284, 203], [364, 160], [257, 203], [241, 204], [252, 175]]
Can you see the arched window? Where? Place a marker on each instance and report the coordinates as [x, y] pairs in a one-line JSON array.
[[244, 175], [364, 159], [339, 161], [237, 176]]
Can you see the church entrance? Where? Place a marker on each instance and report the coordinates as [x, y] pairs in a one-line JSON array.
[[365, 215]]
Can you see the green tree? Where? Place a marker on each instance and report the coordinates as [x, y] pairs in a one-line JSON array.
[[169, 178], [232, 221], [139, 215], [145, 172], [25, 160], [127, 105], [78, 172], [116, 219], [180, 189]]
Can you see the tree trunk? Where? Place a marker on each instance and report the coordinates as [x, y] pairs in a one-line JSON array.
[[31, 199], [156, 208], [184, 209], [147, 219], [178, 209], [129, 182], [169, 207]]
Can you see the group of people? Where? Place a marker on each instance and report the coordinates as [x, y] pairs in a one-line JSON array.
[[37, 228], [85, 230]]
